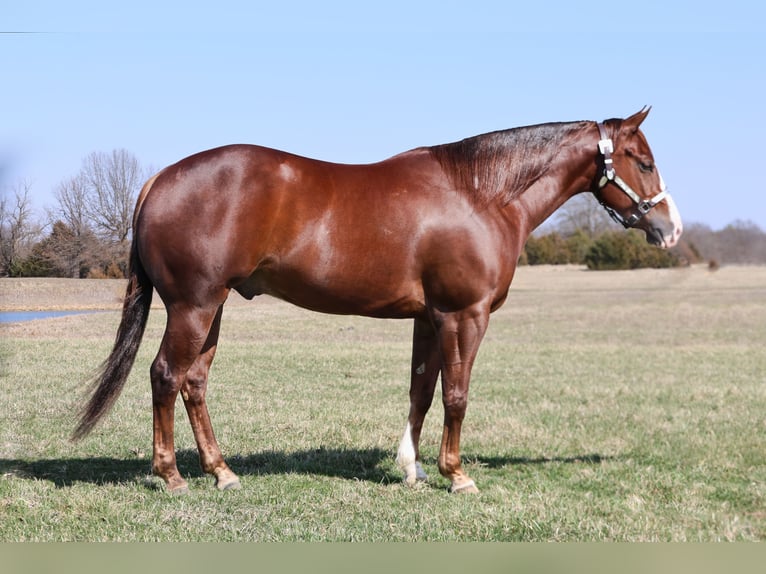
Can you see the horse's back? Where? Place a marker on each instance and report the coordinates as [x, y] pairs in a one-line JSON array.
[[265, 221]]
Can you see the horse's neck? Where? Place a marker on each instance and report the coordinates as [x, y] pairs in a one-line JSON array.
[[572, 171]]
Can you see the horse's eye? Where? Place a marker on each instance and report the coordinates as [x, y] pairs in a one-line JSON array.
[[646, 167]]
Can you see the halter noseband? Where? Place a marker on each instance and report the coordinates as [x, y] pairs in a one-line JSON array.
[[643, 206]]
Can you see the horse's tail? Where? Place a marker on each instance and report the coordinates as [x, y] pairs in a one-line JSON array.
[[108, 382]]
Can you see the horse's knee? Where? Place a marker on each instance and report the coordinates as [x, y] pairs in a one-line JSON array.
[[193, 391], [195, 385], [455, 405], [165, 383]]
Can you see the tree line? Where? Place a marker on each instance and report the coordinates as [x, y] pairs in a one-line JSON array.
[[581, 233], [86, 233]]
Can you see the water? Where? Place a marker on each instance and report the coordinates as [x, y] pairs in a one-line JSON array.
[[19, 316]]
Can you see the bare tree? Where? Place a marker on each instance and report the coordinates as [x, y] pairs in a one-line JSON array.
[[743, 242], [738, 242], [111, 182], [72, 209], [582, 213], [94, 215], [18, 229], [71, 243]]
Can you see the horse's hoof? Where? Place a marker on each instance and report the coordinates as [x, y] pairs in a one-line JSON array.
[[414, 475], [176, 485], [227, 481], [468, 487], [415, 484], [231, 485]]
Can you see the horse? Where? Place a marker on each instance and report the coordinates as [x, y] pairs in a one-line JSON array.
[[433, 234]]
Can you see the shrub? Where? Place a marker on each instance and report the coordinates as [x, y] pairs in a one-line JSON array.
[[547, 249], [578, 245], [627, 250]]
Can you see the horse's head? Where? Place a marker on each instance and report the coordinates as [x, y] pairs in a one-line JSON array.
[[630, 186]]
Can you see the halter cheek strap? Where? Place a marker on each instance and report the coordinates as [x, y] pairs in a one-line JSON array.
[[643, 206]]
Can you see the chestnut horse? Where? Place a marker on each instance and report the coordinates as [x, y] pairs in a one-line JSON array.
[[433, 234]]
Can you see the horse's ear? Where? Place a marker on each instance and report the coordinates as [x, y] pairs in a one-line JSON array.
[[634, 121]]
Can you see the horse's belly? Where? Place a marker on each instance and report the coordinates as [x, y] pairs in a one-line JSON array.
[[338, 292]]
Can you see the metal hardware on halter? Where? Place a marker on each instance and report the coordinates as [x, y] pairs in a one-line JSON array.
[[606, 148], [643, 206]]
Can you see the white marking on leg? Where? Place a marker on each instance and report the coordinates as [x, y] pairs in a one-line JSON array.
[[421, 369], [405, 459]]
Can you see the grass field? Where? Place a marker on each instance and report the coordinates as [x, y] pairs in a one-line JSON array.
[[624, 406]]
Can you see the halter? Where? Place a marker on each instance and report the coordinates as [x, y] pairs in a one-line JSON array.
[[643, 206]]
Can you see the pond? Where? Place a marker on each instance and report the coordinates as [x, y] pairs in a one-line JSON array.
[[19, 316]]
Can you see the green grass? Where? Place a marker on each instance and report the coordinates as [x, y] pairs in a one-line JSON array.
[[626, 406]]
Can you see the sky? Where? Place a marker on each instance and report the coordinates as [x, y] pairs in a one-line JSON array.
[[357, 82]]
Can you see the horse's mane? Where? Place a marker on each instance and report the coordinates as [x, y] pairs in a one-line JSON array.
[[501, 165]]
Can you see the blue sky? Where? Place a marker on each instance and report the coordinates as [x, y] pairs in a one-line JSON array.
[[360, 81]]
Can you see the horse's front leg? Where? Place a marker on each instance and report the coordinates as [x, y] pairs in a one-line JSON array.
[[423, 375], [460, 335]]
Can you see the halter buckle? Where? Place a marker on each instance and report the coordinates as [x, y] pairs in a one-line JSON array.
[[644, 207], [605, 146]]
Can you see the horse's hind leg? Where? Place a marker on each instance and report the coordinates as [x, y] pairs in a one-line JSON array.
[[193, 393], [185, 336], [423, 376]]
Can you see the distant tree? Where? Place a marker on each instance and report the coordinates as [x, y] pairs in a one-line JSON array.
[[742, 242], [72, 245], [581, 227], [702, 239], [18, 228], [64, 253], [72, 209], [738, 242], [111, 182], [582, 214], [96, 208]]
